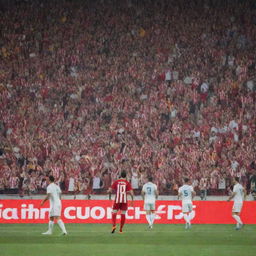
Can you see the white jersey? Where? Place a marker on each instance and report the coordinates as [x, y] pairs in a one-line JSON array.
[[150, 190], [54, 192], [186, 192], [239, 190]]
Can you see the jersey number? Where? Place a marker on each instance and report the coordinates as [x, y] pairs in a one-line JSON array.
[[185, 192], [121, 190], [149, 191]]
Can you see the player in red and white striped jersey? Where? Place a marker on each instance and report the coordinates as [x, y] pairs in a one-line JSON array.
[[121, 187]]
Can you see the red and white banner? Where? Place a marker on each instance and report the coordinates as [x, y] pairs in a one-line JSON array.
[[99, 211]]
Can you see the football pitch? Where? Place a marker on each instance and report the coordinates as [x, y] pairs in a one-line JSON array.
[[137, 239]]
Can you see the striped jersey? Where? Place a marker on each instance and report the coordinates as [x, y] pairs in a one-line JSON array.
[[121, 188]]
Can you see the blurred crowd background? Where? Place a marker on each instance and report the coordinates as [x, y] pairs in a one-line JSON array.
[[161, 88]]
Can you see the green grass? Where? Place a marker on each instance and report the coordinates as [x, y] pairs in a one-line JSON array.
[[95, 239]]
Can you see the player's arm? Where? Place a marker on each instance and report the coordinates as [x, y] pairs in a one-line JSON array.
[[232, 196], [156, 193], [45, 199], [143, 195], [179, 194]]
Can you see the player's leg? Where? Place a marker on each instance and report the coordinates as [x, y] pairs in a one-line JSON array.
[[239, 223], [123, 208], [50, 226], [187, 220], [148, 217], [114, 213], [190, 207], [61, 225], [123, 212], [236, 215], [185, 210], [152, 215]]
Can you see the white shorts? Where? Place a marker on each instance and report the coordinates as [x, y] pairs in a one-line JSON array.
[[149, 207], [187, 207], [55, 211], [237, 207]]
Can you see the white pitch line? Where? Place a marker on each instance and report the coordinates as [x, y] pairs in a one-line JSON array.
[[135, 231]]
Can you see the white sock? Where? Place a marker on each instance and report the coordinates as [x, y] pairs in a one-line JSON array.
[[152, 215], [148, 218], [238, 220], [190, 216], [51, 223], [62, 226], [186, 218]]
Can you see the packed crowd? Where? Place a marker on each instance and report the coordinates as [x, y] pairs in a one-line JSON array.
[[163, 88]]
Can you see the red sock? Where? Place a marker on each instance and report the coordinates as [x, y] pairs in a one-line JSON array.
[[114, 218], [122, 221]]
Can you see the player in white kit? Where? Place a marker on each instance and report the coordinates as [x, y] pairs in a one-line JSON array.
[[186, 193], [54, 194], [238, 195], [149, 194]]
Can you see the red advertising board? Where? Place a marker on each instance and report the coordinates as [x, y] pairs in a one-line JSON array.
[[99, 211]]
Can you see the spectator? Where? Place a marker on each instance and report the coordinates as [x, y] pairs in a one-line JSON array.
[[97, 183], [203, 186], [77, 95]]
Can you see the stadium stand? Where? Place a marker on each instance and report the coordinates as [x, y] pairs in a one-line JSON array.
[[163, 88]]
